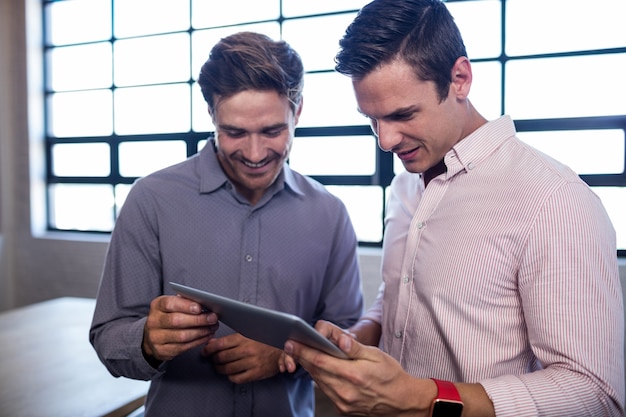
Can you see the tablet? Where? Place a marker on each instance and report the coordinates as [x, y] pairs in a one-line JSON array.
[[267, 326]]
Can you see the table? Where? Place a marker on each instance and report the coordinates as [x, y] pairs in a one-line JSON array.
[[49, 368]]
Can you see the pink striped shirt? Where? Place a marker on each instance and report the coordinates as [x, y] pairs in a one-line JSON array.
[[503, 271]]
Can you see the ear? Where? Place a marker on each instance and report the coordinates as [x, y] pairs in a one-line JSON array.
[[461, 78]]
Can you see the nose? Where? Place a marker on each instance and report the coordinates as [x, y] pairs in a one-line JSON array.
[[388, 136], [254, 149]]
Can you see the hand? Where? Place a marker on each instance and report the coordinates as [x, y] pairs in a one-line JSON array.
[[241, 359], [175, 325], [372, 383]]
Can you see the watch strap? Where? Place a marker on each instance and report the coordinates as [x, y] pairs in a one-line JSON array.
[[446, 390]]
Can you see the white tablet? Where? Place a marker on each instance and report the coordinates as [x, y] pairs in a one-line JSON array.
[[267, 326]]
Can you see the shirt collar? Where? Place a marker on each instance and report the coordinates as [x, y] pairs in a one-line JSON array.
[[469, 152], [212, 176]]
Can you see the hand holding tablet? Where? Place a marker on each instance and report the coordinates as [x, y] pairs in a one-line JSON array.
[[267, 326]]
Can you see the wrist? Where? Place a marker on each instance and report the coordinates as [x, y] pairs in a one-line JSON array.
[[447, 402]]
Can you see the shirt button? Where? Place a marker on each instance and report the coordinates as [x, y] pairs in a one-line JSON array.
[[243, 391], [405, 279], [420, 225], [470, 165], [249, 258], [398, 334]]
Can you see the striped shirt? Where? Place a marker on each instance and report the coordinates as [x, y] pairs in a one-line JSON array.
[[503, 271]]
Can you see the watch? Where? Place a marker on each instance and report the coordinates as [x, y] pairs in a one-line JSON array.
[[448, 401]]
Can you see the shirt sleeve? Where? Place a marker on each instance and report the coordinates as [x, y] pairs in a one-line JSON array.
[[342, 300], [375, 311], [573, 308], [130, 281]]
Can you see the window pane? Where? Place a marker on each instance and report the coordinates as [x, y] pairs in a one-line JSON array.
[[318, 51], [81, 159], [365, 207], [486, 90], [138, 159], [158, 109], [565, 87], [333, 155], [78, 21], [81, 207], [121, 192], [145, 17], [202, 121], [202, 41], [80, 67], [206, 14], [585, 151], [329, 101], [302, 8], [541, 26], [480, 25], [85, 113], [614, 200], [155, 59]]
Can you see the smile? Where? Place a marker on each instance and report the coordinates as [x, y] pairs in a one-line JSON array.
[[407, 154], [255, 165]]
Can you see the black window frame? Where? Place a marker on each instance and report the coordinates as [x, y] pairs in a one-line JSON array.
[[384, 172]]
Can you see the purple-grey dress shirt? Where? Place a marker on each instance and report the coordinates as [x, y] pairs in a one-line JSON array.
[[294, 251]]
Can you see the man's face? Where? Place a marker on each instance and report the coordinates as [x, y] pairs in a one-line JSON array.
[[254, 133], [407, 115]]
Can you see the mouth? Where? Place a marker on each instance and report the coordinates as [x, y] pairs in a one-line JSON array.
[[256, 165], [407, 155]]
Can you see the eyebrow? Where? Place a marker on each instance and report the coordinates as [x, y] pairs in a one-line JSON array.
[[264, 129], [403, 110]]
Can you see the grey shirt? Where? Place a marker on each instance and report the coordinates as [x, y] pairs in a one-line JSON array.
[[294, 251]]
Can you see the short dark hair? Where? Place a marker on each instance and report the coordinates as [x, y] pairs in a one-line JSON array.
[[251, 61], [420, 32]]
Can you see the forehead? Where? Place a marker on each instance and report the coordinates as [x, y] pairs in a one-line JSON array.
[[253, 107], [390, 87]]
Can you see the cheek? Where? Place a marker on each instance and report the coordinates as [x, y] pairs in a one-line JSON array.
[[283, 147]]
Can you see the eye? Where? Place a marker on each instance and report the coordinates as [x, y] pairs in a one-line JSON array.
[[401, 116], [274, 132], [234, 133]]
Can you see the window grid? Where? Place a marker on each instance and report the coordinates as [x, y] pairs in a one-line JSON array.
[[384, 161]]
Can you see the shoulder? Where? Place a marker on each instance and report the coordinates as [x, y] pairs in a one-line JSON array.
[[163, 179], [310, 189]]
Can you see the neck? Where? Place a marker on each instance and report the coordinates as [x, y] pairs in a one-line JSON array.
[[432, 172]]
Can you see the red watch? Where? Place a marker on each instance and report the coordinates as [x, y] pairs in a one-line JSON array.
[[448, 401]]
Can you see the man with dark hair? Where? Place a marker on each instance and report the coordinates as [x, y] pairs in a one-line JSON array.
[[500, 292], [233, 220]]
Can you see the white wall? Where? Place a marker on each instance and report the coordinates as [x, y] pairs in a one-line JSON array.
[[38, 268]]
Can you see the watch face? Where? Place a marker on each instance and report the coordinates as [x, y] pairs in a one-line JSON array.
[[443, 408]]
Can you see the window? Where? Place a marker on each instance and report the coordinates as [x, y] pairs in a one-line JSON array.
[[121, 98]]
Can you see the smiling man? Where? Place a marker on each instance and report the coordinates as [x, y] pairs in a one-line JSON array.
[[233, 220]]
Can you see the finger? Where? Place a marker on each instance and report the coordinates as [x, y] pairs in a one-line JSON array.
[[315, 361], [178, 304], [332, 332], [287, 364], [223, 343], [167, 344], [169, 312]]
